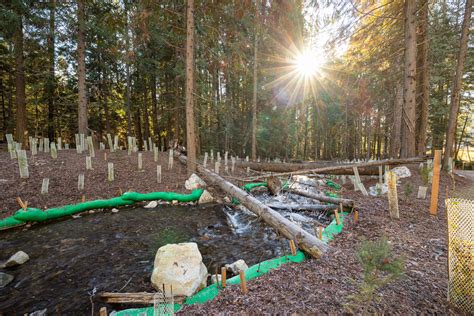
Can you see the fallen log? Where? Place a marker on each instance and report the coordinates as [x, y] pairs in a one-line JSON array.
[[306, 241], [345, 202], [280, 166], [144, 298], [347, 169]]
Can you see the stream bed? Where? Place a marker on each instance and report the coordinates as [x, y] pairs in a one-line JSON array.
[[72, 259]]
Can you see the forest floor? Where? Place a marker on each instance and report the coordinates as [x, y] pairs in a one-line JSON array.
[[325, 285], [63, 178], [65, 267]]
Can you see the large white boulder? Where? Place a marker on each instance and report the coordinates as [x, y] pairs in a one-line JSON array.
[[179, 266], [194, 182]]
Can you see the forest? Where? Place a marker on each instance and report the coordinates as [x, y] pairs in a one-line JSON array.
[[379, 89], [236, 157]]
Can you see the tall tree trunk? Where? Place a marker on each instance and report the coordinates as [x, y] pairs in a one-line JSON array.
[[395, 142], [81, 69], [255, 86], [51, 80], [127, 74], [408, 148], [423, 80], [156, 129], [457, 80], [20, 83], [146, 120], [105, 94], [190, 130], [461, 137]]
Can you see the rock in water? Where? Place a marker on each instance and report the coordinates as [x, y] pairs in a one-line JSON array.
[[237, 266], [179, 266], [152, 204], [194, 182], [17, 259], [274, 185], [206, 197], [5, 279]]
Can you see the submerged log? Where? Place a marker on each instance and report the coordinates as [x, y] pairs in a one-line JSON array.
[[144, 298], [323, 198], [306, 241], [343, 169]]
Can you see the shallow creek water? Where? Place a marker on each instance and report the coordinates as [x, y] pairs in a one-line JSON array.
[[115, 251]]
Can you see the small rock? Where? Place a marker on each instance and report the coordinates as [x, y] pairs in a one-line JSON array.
[[237, 266], [213, 278], [206, 197], [39, 313], [76, 216], [152, 204], [5, 279], [91, 212], [115, 210], [194, 182], [17, 259]]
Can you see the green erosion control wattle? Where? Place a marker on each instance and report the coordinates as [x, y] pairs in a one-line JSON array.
[[209, 293], [36, 215]]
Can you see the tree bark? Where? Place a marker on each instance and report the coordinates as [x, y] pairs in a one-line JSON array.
[[51, 80], [156, 129], [21, 115], [127, 73], [81, 69], [457, 80], [190, 129], [395, 142], [255, 86], [423, 94], [408, 144]]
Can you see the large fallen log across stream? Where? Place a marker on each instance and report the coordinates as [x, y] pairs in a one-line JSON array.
[[306, 241], [342, 169]]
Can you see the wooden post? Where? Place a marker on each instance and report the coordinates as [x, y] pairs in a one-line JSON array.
[[320, 232], [336, 215], [205, 160], [380, 175], [155, 154], [243, 282], [223, 276], [45, 186], [170, 159], [110, 171], [54, 151], [158, 173], [88, 163], [356, 216], [105, 156], [292, 247], [23, 205], [435, 182], [140, 161], [23, 164], [233, 164], [80, 182], [392, 195], [103, 311]]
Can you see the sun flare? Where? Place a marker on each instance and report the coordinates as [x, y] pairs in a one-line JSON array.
[[308, 63]]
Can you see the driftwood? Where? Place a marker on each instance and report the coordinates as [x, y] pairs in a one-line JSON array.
[[344, 169], [306, 241], [323, 198], [144, 298], [303, 207]]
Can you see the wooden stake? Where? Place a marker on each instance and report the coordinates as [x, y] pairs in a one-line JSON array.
[[356, 217], [20, 202], [435, 182], [243, 282], [223, 276], [103, 311], [292, 247], [320, 233], [105, 156], [83, 198], [392, 195], [338, 220]]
